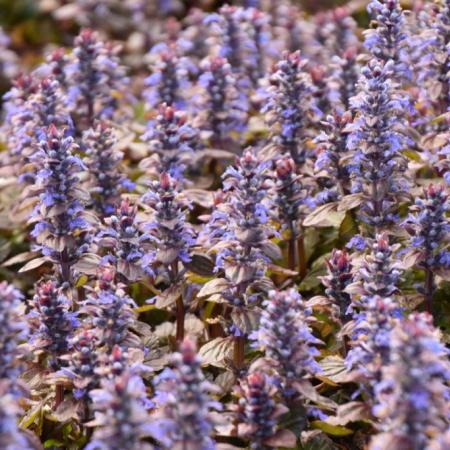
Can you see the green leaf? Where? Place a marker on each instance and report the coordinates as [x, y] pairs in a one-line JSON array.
[[31, 415], [348, 227], [50, 443], [332, 430]]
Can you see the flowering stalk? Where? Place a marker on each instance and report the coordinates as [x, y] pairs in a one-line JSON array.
[[103, 162], [223, 107], [377, 139], [257, 27], [121, 418], [96, 79], [228, 26], [434, 61], [52, 325], [378, 275], [121, 237], [343, 79], [169, 78], [168, 237], [31, 107], [13, 331], [339, 276], [332, 161], [429, 228], [171, 137], [386, 41], [184, 404], [82, 362], [412, 396], [110, 311], [289, 105], [291, 200], [240, 234], [257, 410], [371, 339], [61, 229], [10, 435], [286, 339]]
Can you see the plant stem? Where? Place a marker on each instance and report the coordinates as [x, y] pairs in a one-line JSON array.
[[292, 253], [239, 351], [180, 318], [59, 394], [180, 312], [428, 288], [301, 256]]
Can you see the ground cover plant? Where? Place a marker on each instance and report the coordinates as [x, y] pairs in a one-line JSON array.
[[224, 226]]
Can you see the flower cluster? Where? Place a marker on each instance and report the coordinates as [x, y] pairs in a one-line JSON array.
[[183, 393], [343, 79], [386, 40], [339, 276], [96, 80], [434, 60], [169, 79], [121, 418], [258, 411], [168, 237], [429, 227], [371, 345], [121, 237], [412, 396], [376, 139], [103, 162], [223, 107], [10, 435], [228, 26], [13, 330], [31, 106], [52, 323], [286, 339], [290, 197], [243, 241], [82, 362], [60, 226], [378, 274], [257, 26], [172, 139], [333, 160], [287, 212], [289, 107], [110, 311]]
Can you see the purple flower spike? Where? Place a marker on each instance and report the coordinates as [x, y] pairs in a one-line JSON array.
[[13, 330], [61, 228], [96, 79], [289, 107], [121, 237], [103, 163], [121, 414], [377, 139], [223, 107], [183, 403], [172, 141], [286, 339], [52, 323], [168, 237], [412, 395]]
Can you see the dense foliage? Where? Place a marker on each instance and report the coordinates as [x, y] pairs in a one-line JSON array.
[[225, 227]]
